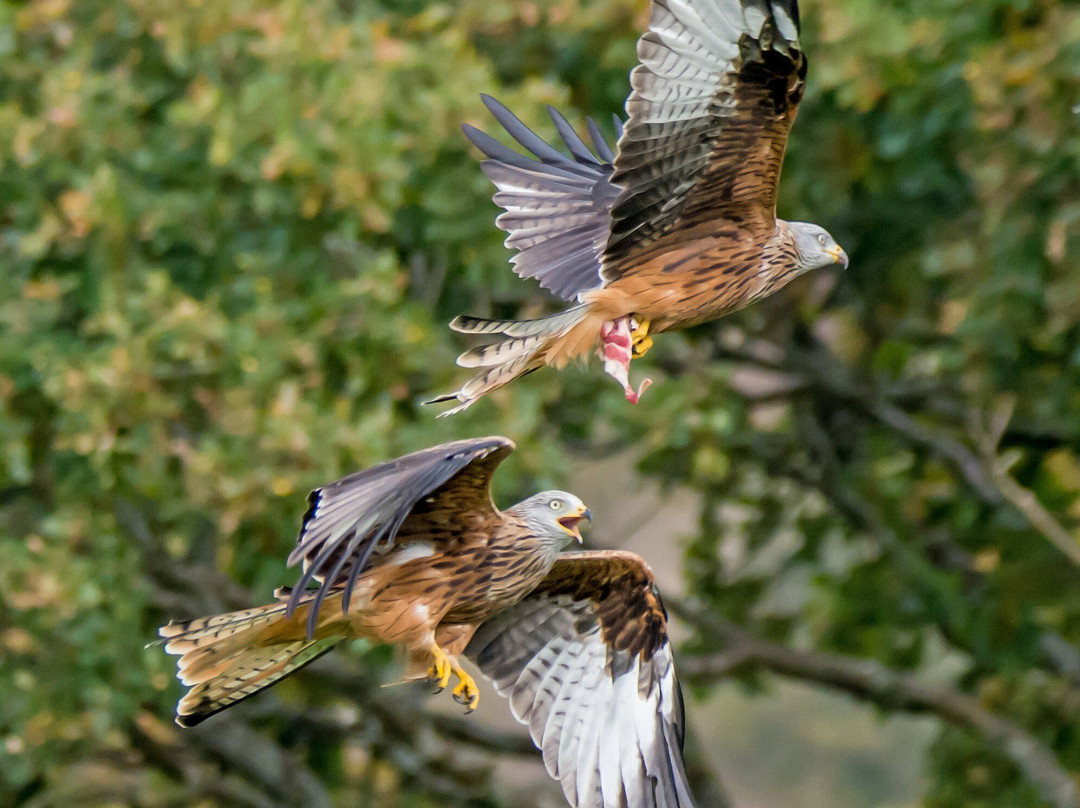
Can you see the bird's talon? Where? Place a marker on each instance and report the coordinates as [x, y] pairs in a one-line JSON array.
[[640, 347], [640, 341], [466, 692], [441, 668]]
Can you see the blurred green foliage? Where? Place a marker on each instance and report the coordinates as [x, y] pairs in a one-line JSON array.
[[231, 234]]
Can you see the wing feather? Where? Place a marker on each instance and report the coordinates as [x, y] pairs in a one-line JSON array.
[[585, 662], [713, 98], [356, 517], [572, 140], [556, 208]]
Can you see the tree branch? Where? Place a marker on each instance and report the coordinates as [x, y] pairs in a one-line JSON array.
[[486, 738], [823, 371], [1059, 655], [1025, 501], [942, 444], [984, 469], [987, 433], [256, 772], [892, 690]]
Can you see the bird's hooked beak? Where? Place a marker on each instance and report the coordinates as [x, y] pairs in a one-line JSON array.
[[570, 522], [839, 256]]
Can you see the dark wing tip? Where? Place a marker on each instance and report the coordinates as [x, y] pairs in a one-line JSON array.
[[313, 499], [571, 139], [618, 125], [189, 721], [440, 399]]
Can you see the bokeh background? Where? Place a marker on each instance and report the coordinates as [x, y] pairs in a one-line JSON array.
[[231, 234]]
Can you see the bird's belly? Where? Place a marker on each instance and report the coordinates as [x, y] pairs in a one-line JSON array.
[[498, 584], [409, 600], [688, 298], [484, 603], [688, 286]]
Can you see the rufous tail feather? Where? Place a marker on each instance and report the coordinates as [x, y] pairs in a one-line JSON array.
[[523, 346], [227, 658]]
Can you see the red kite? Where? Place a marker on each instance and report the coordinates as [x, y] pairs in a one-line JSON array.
[[413, 552], [676, 227]]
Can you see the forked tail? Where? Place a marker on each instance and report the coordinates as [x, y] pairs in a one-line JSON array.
[[227, 658], [521, 347]]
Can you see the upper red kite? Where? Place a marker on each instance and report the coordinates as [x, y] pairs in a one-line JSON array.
[[678, 226]]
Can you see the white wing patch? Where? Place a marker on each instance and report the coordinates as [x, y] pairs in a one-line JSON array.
[[609, 733], [785, 25], [410, 552]]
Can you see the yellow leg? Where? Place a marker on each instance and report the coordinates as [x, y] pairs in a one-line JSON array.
[[441, 668], [466, 692], [640, 341]]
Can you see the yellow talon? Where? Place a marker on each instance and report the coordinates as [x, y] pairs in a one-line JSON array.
[[640, 341], [441, 668], [466, 692], [640, 347]]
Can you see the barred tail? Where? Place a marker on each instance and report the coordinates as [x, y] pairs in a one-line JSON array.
[[227, 658], [522, 347], [553, 323]]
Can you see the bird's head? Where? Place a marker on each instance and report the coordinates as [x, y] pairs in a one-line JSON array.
[[555, 515], [816, 247]]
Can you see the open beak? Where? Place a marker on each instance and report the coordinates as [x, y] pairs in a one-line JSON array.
[[839, 256], [571, 522]]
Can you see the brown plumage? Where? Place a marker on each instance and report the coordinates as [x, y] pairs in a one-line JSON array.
[[413, 552], [676, 227]]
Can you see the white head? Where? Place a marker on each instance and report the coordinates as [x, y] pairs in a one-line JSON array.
[[554, 515], [816, 247]]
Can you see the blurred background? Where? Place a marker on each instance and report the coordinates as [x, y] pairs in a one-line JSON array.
[[231, 234]]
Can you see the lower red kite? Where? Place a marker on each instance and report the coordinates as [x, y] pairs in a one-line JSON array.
[[413, 552]]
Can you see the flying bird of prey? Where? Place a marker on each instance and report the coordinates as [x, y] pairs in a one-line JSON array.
[[676, 227], [413, 552]]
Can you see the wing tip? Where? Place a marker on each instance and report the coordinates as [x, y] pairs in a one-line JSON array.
[[189, 720]]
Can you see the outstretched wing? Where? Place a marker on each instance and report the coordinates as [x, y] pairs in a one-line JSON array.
[[557, 208], [712, 104], [586, 664], [363, 514]]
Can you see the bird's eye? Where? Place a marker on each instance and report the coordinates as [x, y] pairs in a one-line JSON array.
[[556, 504], [821, 239]]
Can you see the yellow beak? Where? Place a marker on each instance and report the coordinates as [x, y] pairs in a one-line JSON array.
[[571, 521], [839, 255]]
